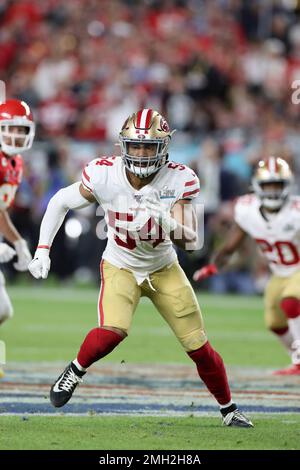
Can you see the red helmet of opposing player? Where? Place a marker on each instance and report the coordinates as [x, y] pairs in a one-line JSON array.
[[17, 128]]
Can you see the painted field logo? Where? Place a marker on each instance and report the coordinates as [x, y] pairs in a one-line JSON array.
[[2, 353]]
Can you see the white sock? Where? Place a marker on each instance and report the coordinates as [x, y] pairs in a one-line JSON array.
[[79, 367], [294, 327], [226, 405]]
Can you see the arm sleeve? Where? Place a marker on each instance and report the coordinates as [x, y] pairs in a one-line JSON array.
[[190, 186], [86, 177], [65, 199], [91, 171]]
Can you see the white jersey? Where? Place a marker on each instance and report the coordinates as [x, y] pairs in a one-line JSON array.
[[148, 250], [278, 237]]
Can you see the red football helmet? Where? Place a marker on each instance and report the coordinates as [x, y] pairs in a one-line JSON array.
[[14, 114]]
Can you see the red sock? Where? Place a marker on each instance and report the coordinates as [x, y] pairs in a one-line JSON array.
[[212, 371], [291, 307], [98, 343]]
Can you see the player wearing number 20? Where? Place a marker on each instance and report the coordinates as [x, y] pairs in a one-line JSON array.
[[271, 217], [148, 205]]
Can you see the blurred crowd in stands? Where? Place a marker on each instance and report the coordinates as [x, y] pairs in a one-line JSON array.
[[221, 71]]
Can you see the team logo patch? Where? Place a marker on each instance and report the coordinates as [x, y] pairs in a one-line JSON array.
[[288, 228], [166, 193], [164, 125]]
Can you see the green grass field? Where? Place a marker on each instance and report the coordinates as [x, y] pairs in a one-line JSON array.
[[50, 324], [133, 433]]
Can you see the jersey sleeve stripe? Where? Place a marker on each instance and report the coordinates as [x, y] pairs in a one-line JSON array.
[[86, 175], [190, 183], [190, 193], [86, 186]]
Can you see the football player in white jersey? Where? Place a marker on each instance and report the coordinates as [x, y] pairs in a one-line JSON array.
[[271, 216], [147, 204]]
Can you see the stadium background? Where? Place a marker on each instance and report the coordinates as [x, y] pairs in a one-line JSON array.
[[221, 72]]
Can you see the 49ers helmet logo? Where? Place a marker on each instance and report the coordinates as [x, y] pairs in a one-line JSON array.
[[164, 125]]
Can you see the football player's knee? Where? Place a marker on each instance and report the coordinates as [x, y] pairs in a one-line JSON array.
[[272, 323], [193, 340], [189, 326], [120, 331], [290, 306]]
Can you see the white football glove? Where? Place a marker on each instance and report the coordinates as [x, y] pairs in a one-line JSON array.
[[40, 265], [160, 213], [152, 207], [24, 255], [6, 253], [139, 220]]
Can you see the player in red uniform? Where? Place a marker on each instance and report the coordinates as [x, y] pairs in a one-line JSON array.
[[17, 130]]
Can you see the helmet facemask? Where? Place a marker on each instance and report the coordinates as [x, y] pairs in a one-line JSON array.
[[272, 199], [271, 172], [145, 127], [14, 142], [144, 166]]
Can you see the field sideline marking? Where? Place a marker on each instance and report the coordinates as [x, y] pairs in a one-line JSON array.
[[143, 389]]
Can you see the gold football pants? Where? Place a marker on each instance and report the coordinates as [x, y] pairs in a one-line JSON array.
[[277, 289], [171, 293]]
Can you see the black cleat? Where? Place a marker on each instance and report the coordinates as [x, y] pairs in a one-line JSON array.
[[237, 419], [62, 390]]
